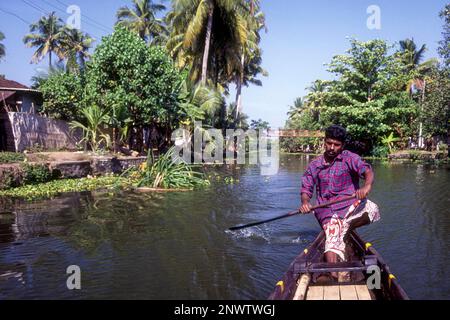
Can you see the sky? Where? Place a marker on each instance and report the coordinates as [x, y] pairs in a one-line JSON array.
[[302, 36]]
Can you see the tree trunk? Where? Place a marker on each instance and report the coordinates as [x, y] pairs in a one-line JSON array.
[[207, 42], [50, 60], [239, 87], [241, 76], [421, 143], [82, 62]]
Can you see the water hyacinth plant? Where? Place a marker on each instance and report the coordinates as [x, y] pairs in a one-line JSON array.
[[166, 173]]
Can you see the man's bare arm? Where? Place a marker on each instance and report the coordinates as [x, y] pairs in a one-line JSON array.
[[306, 205], [363, 192]]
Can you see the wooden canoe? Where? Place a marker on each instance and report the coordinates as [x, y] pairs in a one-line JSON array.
[[302, 281]]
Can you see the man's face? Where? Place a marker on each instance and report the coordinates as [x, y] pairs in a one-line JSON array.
[[333, 147]]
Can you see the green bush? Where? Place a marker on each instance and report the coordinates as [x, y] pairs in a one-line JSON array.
[[11, 157], [443, 147], [36, 173], [7, 180], [380, 151]]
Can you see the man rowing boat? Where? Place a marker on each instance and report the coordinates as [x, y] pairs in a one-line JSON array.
[[334, 175]]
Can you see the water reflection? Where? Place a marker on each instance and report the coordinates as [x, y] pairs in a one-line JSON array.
[[175, 246]]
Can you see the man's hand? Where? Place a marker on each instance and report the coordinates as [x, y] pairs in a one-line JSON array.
[[363, 192], [306, 208]]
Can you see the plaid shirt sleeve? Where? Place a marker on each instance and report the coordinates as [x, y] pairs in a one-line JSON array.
[[358, 165], [308, 180]]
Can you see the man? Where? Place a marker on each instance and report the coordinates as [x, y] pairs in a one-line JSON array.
[[335, 175]]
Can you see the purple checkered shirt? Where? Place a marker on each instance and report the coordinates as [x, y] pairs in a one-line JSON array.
[[333, 181]]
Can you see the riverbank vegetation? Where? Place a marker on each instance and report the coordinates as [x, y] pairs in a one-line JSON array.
[[57, 187], [166, 173], [37, 180], [153, 74], [165, 68], [11, 157], [385, 94]]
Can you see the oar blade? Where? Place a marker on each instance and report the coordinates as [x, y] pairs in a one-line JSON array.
[[262, 222]]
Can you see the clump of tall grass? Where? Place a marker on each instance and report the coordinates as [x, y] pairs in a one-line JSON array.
[[166, 173]]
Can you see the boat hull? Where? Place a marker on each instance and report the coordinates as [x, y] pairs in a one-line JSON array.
[[365, 261]]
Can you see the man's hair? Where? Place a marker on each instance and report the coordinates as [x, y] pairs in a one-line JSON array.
[[336, 132]]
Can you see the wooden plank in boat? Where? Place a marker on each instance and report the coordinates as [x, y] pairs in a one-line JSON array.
[[302, 287], [363, 292], [331, 293], [315, 293], [348, 292]]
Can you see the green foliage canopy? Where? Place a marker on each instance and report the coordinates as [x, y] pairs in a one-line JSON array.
[[63, 96], [125, 72]]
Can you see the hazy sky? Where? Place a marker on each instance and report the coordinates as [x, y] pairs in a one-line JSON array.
[[302, 36]]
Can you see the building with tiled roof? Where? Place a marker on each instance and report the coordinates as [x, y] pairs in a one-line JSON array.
[[16, 97]]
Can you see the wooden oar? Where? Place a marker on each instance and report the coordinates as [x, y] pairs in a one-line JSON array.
[[292, 213]]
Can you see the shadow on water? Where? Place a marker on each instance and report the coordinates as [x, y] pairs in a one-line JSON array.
[[177, 245]]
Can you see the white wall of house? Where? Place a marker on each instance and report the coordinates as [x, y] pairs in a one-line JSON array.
[[31, 129]]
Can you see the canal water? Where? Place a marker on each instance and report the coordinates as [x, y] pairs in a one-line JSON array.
[[176, 245]]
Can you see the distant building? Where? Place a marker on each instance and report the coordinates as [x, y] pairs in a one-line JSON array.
[[16, 97]]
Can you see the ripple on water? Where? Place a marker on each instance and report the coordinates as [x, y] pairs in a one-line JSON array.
[[253, 233]]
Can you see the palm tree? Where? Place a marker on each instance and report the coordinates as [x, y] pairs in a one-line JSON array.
[[410, 55], [297, 109], [251, 53], [412, 58], [233, 122], [75, 47], [2, 46], [45, 35], [260, 125], [316, 98], [142, 20], [207, 35], [198, 102]]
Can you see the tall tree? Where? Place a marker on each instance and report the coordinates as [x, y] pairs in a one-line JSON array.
[[362, 98], [75, 46], [412, 59], [45, 35], [208, 36], [444, 44], [411, 55], [124, 72], [260, 125], [362, 68], [251, 51], [297, 109], [444, 52], [141, 18], [2, 46], [315, 99]]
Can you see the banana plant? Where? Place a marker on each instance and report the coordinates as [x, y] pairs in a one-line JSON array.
[[389, 141], [95, 120]]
